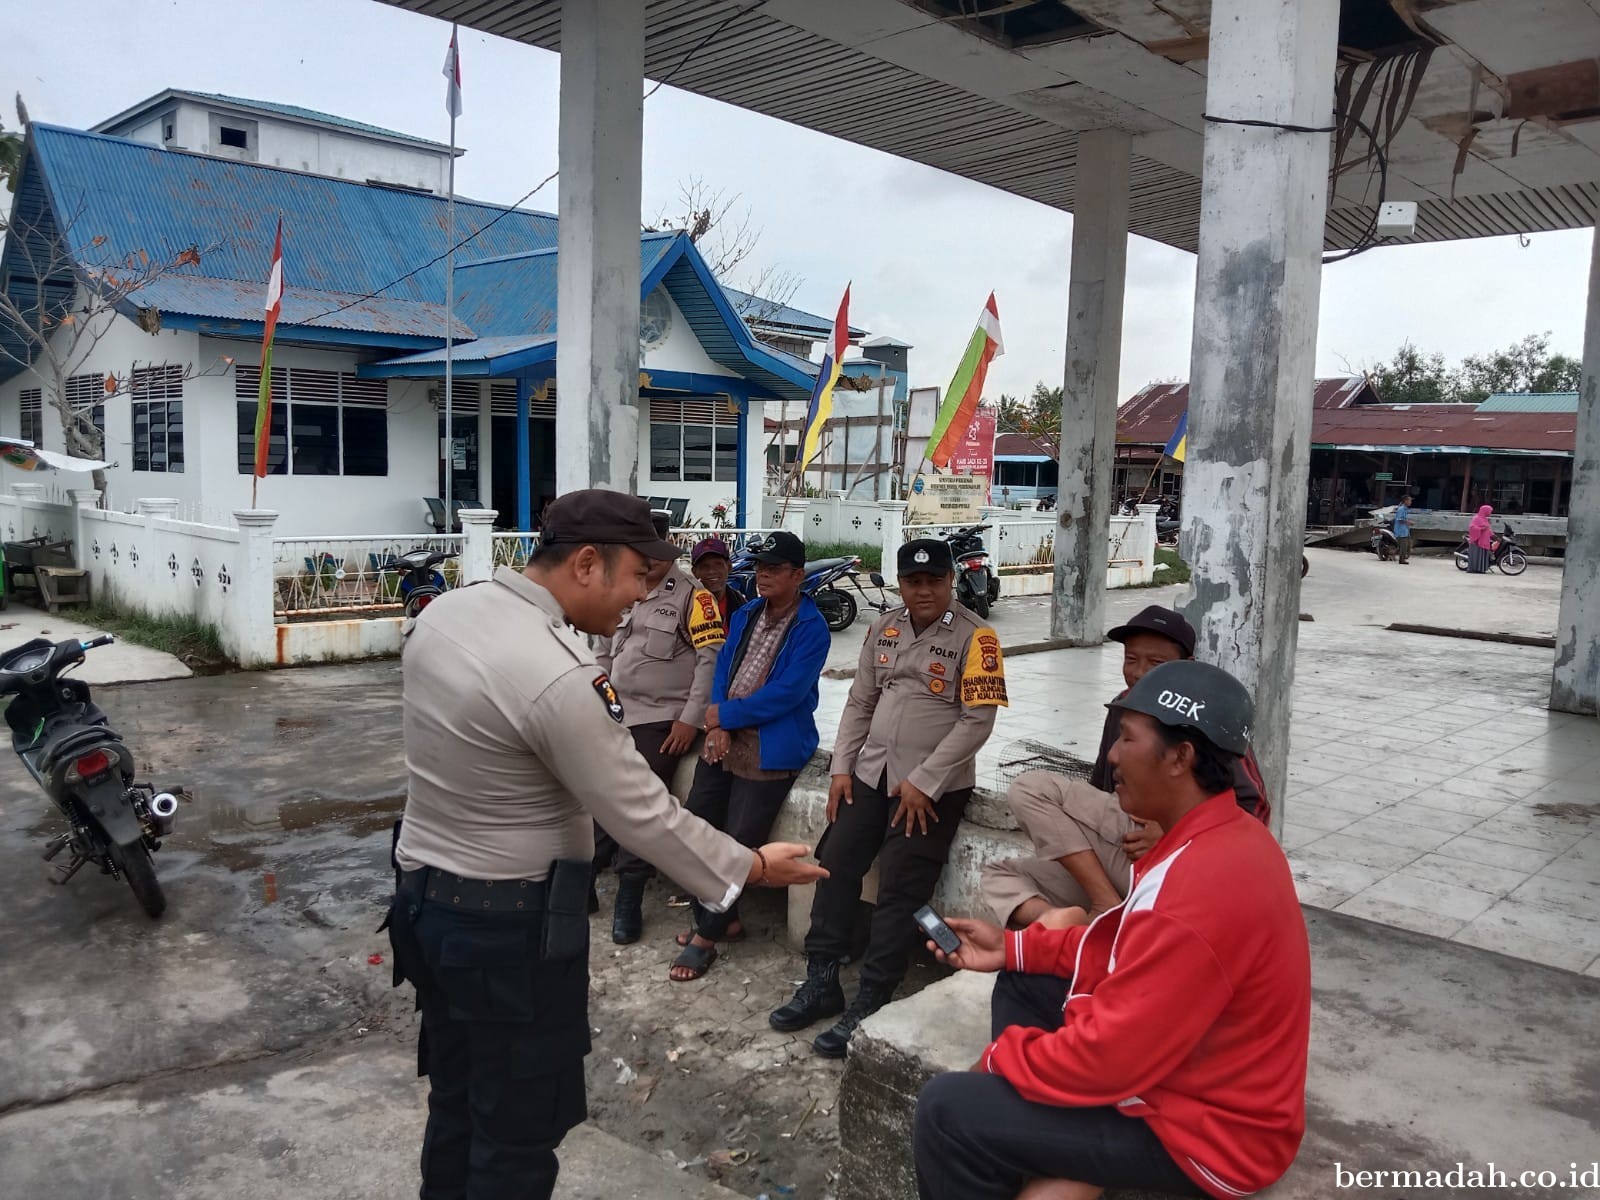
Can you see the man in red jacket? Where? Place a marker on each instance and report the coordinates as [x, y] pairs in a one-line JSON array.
[[1177, 1060]]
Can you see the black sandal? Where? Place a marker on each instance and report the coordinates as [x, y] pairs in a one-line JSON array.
[[683, 938], [693, 958]]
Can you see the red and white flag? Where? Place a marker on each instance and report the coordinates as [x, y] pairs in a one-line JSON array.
[[452, 72], [274, 307]]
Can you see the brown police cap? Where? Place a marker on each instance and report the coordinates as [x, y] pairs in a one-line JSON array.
[[599, 517]]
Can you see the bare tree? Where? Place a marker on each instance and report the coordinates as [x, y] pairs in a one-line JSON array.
[[71, 294]]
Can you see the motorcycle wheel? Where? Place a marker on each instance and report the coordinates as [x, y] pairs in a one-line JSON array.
[[1305, 566], [838, 608], [1513, 562], [980, 603], [1461, 557], [136, 867]]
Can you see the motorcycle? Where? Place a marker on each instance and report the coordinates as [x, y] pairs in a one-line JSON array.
[[838, 606], [1508, 553], [86, 769], [421, 582], [977, 586], [1384, 544]]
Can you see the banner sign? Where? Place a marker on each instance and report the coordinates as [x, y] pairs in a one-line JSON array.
[[946, 499], [974, 454]]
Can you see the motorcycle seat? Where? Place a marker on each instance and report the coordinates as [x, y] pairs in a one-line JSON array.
[[75, 741], [825, 564]]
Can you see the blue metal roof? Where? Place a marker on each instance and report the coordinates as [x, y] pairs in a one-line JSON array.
[[1531, 402], [767, 312], [516, 294], [232, 300]]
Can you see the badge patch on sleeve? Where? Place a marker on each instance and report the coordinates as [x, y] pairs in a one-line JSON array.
[[983, 679], [705, 621], [608, 697]]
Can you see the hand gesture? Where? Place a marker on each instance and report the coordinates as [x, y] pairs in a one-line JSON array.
[[916, 806], [982, 946], [785, 866], [718, 743], [680, 739], [840, 787], [1141, 839]]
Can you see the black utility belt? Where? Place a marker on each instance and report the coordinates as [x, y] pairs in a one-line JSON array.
[[481, 895]]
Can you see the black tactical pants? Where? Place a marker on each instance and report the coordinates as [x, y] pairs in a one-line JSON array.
[[908, 871], [608, 852], [503, 1037]]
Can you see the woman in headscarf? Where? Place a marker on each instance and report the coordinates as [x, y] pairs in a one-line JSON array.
[[1480, 542]]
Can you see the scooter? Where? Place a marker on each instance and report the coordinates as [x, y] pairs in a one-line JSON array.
[[85, 768], [421, 583], [977, 586], [837, 605], [1508, 553]]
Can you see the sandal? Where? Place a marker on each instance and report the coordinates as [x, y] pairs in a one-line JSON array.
[[697, 959], [683, 938]]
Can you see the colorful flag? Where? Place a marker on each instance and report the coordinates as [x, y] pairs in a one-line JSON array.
[[28, 457], [1178, 445], [821, 406], [452, 72], [960, 403], [264, 396]]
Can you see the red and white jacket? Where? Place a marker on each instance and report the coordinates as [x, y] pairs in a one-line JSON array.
[[1190, 1004]]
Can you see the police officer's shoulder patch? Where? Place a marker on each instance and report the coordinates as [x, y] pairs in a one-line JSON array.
[[705, 620], [983, 678], [608, 696], [670, 583]]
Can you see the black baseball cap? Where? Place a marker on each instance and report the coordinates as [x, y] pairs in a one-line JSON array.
[[925, 556], [782, 547], [1155, 619], [1198, 696], [599, 517]]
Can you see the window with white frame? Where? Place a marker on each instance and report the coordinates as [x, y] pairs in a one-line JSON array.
[[695, 440], [158, 419], [31, 407], [86, 400], [323, 422]]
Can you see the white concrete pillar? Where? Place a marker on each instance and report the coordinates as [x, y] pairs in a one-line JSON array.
[[477, 551], [84, 500], [1575, 685], [792, 516], [28, 491], [597, 342], [249, 628], [1262, 208], [1147, 547], [892, 531], [157, 506], [1089, 400]]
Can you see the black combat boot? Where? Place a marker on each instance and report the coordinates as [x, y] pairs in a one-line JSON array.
[[819, 996], [835, 1042], [627, 920]]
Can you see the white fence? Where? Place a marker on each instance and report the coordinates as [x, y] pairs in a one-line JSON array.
[[330, 576]]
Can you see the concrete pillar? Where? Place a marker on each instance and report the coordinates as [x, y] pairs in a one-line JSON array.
[[597, 342], [1089, 401], [1575, 685], [891, 531], [28, 491], [1147, 546], [792, 516], [477, 550], [249, 629], [1262, 207], [157, 506], [84, 500]]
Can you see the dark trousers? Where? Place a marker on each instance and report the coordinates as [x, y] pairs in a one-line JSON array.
[[608, 852], [975, 1138], [745, 810], [1404, 546], [908, 871], [503, 1037]]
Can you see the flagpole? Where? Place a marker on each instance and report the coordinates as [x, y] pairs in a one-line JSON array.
[[449, 307]]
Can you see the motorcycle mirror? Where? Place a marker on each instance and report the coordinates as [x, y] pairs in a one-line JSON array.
[[877, 579]]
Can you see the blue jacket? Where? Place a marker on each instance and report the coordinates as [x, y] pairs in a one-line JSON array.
[[783, 711]]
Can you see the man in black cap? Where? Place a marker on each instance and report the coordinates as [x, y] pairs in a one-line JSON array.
[[927, 689], [515, 745], [1084, 841]]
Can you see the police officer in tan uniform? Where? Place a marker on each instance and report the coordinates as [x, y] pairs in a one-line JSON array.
[[515, 744], [661, 661], [923, 703]]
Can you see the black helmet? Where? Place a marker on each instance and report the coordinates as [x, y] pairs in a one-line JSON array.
[[1198, 696]]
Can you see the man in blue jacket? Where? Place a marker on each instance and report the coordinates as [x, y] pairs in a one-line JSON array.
[[761, 726]]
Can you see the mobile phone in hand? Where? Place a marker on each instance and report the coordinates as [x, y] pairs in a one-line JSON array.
[[933, 925]]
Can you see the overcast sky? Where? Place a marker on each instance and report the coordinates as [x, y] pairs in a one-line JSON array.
[[922, 247]]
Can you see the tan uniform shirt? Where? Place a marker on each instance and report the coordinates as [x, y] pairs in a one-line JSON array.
[[664, 656], [515, 747], [922, 705]]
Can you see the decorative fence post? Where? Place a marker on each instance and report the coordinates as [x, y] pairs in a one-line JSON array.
[[1147, 550], [28, 491], [250, 628], [477, 553], [793, 517], [84, 500], [893, 531]]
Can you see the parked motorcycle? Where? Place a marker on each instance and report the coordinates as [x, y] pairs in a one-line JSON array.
[[1508, 553], [421, 582], [823, 583], [86, 769], [977, 585], [1384, 544]]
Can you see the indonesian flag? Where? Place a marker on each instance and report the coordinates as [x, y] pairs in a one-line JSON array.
[[264, 396], [966, 389], [452, 72]]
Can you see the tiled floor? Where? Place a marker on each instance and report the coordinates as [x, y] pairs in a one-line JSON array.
[[1429, 787]]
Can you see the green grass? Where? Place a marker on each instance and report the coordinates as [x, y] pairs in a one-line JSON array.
[[1169, 568], [871, 556], [183, 637]]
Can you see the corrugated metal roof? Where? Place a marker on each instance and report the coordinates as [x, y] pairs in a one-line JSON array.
[[1546, 402], [786, 317], [1418, 427], [234, 300], [1151, 417], [1017, 445]]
